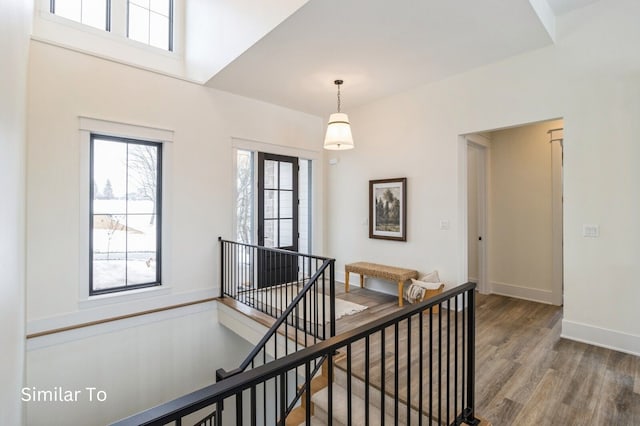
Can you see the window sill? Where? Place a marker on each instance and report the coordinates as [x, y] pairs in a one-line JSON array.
[[123, 296]]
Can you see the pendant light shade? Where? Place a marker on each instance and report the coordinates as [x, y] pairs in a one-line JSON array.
[[338, 135]]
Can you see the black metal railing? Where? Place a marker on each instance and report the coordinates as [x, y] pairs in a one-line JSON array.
[[414, 366], [269, 280], [301, 296]]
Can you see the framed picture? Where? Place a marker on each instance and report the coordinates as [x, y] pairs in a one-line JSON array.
[[388, 209]]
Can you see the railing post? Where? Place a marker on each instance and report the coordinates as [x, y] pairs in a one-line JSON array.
[[469, 412], [332, 296], [221, 266]]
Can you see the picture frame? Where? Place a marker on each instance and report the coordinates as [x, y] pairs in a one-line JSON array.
[[388, 209]]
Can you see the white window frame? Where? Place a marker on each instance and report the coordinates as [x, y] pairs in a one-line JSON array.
[[87, 126], [118, 21]]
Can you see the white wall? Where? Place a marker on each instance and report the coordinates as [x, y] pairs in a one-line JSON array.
[[15, 18], [198, 180], [521, 223], [591, 78]]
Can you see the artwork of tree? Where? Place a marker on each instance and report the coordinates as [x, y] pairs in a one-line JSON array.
[[387, 209]]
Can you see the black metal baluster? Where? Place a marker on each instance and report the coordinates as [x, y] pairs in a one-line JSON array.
[[219, 413], [382, 365], [448, 359], [223, 284], [455, 362], [409, 370], [254, 415], [430, 365], [464, 352], [332, 297], [330, 387], [349, 407], [239, 408], [366, 380], [396, 396], [440, 362], [420, 365], [307, 378], [283, 397], [471, 357]]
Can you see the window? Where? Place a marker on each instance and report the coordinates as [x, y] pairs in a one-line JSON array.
[[94, 13], [125, 214], [145, 21], [244, 196], [246, 201], [149, 22]]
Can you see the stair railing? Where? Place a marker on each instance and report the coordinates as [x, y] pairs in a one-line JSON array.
[[417, 365], [303, 317]]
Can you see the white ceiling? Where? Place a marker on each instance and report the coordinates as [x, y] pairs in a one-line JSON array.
[[379, 47]]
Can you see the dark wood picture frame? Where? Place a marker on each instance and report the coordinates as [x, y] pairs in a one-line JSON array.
[[388, 209]]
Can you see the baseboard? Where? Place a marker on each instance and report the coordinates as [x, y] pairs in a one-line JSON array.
[[526, 293], [610, 339]]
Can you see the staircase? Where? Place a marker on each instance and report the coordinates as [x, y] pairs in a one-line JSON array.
[[360, 413], [413, 366]]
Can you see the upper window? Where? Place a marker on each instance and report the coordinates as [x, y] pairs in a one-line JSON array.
[[125, 216], [146, 21], [150, 22], [94, 13]]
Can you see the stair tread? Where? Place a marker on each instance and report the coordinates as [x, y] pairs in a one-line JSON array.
[[340, 395]]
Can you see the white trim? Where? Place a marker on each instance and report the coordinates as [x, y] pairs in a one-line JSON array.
[[127, 130], [603, 337], [88, 125], [108, 327], [478, 139], [482, 206], [107, 311], [526, 293], [272, 148], [557, 256]]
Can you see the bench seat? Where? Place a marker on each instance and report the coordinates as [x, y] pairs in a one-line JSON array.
[[391, 273]]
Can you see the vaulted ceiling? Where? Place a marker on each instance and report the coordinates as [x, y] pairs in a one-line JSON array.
[[380, 47]]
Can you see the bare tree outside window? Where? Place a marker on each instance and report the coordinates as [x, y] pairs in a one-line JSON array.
[[143, 167], [244, 197]]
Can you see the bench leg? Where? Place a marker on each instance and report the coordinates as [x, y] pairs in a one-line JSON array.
[[346, 281], [361, 281], [400, 293]]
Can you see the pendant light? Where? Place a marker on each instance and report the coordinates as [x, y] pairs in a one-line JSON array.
[[338, 135]]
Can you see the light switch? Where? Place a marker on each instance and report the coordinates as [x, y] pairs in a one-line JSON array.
[[444, 225], [590, 231]]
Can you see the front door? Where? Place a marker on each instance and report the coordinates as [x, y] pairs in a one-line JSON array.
[[277, 218]]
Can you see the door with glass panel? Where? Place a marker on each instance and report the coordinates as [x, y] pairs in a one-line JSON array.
[[277, 218]]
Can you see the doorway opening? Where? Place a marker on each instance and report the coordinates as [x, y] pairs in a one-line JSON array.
[[514, 211]]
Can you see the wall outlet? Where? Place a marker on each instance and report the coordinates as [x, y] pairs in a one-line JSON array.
[[444, 225]]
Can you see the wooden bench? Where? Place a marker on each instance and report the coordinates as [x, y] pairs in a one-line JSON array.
[[399, 275]]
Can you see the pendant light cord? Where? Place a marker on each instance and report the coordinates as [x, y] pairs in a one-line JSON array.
[[338, 98]]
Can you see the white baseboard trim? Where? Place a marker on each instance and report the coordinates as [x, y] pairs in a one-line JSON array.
[[83, 316], [610, 339], [526, 293]]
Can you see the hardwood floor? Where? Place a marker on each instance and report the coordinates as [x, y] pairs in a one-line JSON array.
[[525, 373]]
